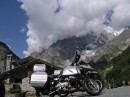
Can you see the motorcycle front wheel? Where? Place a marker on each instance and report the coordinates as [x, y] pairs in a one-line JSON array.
[[100, 84], [92, 87]]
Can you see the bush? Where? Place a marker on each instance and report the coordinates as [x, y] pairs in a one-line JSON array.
[[15, 90]]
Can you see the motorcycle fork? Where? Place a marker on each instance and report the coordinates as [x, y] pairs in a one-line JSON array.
[[89, 80]]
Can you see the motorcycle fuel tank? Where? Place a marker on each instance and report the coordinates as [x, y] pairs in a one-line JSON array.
[[71, 70]]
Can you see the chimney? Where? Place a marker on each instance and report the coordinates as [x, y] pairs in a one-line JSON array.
[[9, 62]]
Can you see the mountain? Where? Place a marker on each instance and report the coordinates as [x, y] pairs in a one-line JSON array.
[[120, 70], [112, 59], [62, 52], [113, 47], [4, 52]]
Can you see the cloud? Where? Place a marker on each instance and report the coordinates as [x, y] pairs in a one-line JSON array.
[[23, 29], [121, 16], [51, 20]]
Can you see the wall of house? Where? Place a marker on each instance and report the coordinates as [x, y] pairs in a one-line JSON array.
[[26, 86], [3, 54]]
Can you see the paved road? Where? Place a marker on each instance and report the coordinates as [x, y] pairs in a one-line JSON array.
[[116, 92]]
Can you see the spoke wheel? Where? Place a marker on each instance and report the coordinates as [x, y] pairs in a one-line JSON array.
[[92, 87], [100, 84], [62, 94]]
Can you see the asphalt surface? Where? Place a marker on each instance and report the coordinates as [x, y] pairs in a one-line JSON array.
[[115, 92]]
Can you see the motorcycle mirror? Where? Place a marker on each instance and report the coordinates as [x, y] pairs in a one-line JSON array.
[[76, 52]]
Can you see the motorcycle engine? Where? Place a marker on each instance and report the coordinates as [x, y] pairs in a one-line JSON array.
[[68, 83], [63, 86], [72, 80]]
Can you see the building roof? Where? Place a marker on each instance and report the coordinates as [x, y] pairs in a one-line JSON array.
[[26, 63], [30, 59]]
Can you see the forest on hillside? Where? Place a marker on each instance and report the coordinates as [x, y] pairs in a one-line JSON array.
[[120, 68]]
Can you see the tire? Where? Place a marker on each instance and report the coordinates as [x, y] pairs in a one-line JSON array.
[[100, 84], [52, 95], [62, 94], [92, 87]]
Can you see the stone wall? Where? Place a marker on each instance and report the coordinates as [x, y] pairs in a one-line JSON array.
[[3, 54], [26, 86]]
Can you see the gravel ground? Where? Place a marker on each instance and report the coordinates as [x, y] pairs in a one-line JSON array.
[[116, 92]]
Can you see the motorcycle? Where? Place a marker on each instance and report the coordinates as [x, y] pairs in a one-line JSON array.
[[71, 79], [87, 70]]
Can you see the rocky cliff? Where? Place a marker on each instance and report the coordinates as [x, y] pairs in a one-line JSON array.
[[4, 52], [113, 47]]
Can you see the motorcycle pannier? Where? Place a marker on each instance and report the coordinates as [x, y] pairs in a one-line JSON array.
[[38, 79], [39, 67]]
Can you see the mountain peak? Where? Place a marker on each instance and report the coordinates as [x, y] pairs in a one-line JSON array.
[[65, 49], [114, 46]]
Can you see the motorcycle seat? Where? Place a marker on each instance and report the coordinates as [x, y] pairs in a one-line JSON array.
[[54, 76]]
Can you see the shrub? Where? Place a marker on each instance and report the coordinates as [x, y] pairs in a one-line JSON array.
[[15, 90]]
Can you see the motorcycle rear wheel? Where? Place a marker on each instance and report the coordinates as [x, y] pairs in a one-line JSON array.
[[52, 95], [62, 94], [92, 87]]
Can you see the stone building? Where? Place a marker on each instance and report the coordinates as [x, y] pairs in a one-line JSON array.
[[17, 71], [6, 58], [20, 73]]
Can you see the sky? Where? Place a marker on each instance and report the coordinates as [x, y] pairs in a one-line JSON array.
[[29, 26], [13, 26]]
